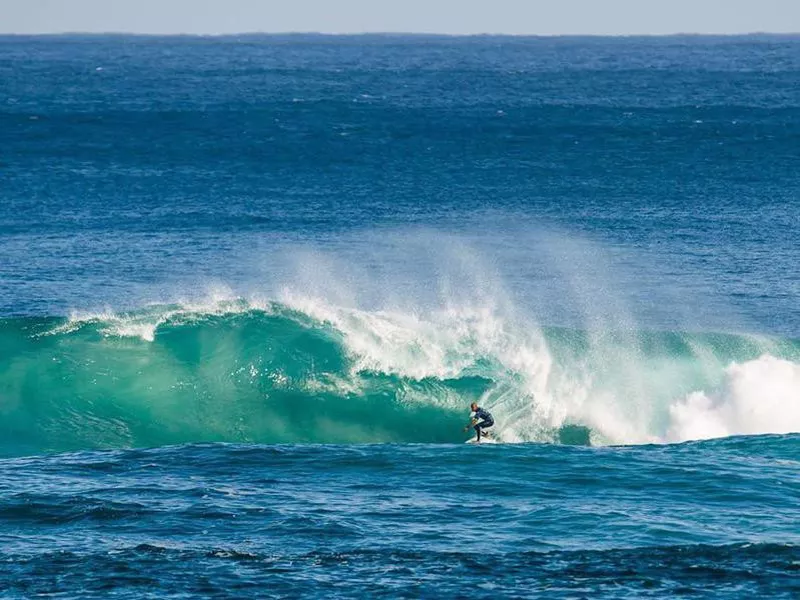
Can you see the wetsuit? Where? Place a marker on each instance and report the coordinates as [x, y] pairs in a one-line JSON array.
[[485, 420]]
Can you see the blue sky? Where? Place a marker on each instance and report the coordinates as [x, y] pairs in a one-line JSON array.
[[542, 17]]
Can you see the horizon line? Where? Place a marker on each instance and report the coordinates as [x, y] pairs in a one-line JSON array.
[[396, 34]]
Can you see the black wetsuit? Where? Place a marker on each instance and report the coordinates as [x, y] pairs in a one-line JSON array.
[[485, 420]]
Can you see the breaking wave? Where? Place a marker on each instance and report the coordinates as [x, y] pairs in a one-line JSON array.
[[304, 370]]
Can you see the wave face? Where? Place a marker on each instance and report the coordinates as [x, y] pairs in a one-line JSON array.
[[304, 371]]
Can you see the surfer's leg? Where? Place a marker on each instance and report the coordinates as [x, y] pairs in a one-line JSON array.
[[478, 432]]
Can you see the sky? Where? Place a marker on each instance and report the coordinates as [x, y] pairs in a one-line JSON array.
[[534, 17]]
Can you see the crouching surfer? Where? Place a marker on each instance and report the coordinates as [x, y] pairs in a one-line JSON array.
[[479, 419]]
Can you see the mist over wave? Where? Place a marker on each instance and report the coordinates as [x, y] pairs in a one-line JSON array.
[[389, 342]]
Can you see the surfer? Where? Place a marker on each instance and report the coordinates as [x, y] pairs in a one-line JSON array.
[[480, 419]]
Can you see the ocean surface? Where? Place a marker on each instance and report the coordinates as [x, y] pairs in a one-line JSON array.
[[250, 285]]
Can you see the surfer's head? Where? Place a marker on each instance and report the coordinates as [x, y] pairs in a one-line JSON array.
[[473, 407]]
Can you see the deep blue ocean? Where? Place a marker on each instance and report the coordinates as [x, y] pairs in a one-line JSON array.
[[249, 287]]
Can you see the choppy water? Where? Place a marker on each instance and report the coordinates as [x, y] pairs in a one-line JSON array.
[[249, 287], [708, 519]]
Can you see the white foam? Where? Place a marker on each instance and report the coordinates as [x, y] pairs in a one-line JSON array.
[[758, 396], [404, 344], [144, 323]]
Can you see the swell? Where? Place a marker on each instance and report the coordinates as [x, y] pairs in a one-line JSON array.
[[299, 372]]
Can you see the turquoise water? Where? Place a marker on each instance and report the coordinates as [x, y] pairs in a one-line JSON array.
[[250, 286], [169, 375]]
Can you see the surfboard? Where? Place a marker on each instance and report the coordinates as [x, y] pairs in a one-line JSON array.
[[485, 439]]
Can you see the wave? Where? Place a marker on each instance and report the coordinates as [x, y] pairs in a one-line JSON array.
[[303, 370]]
